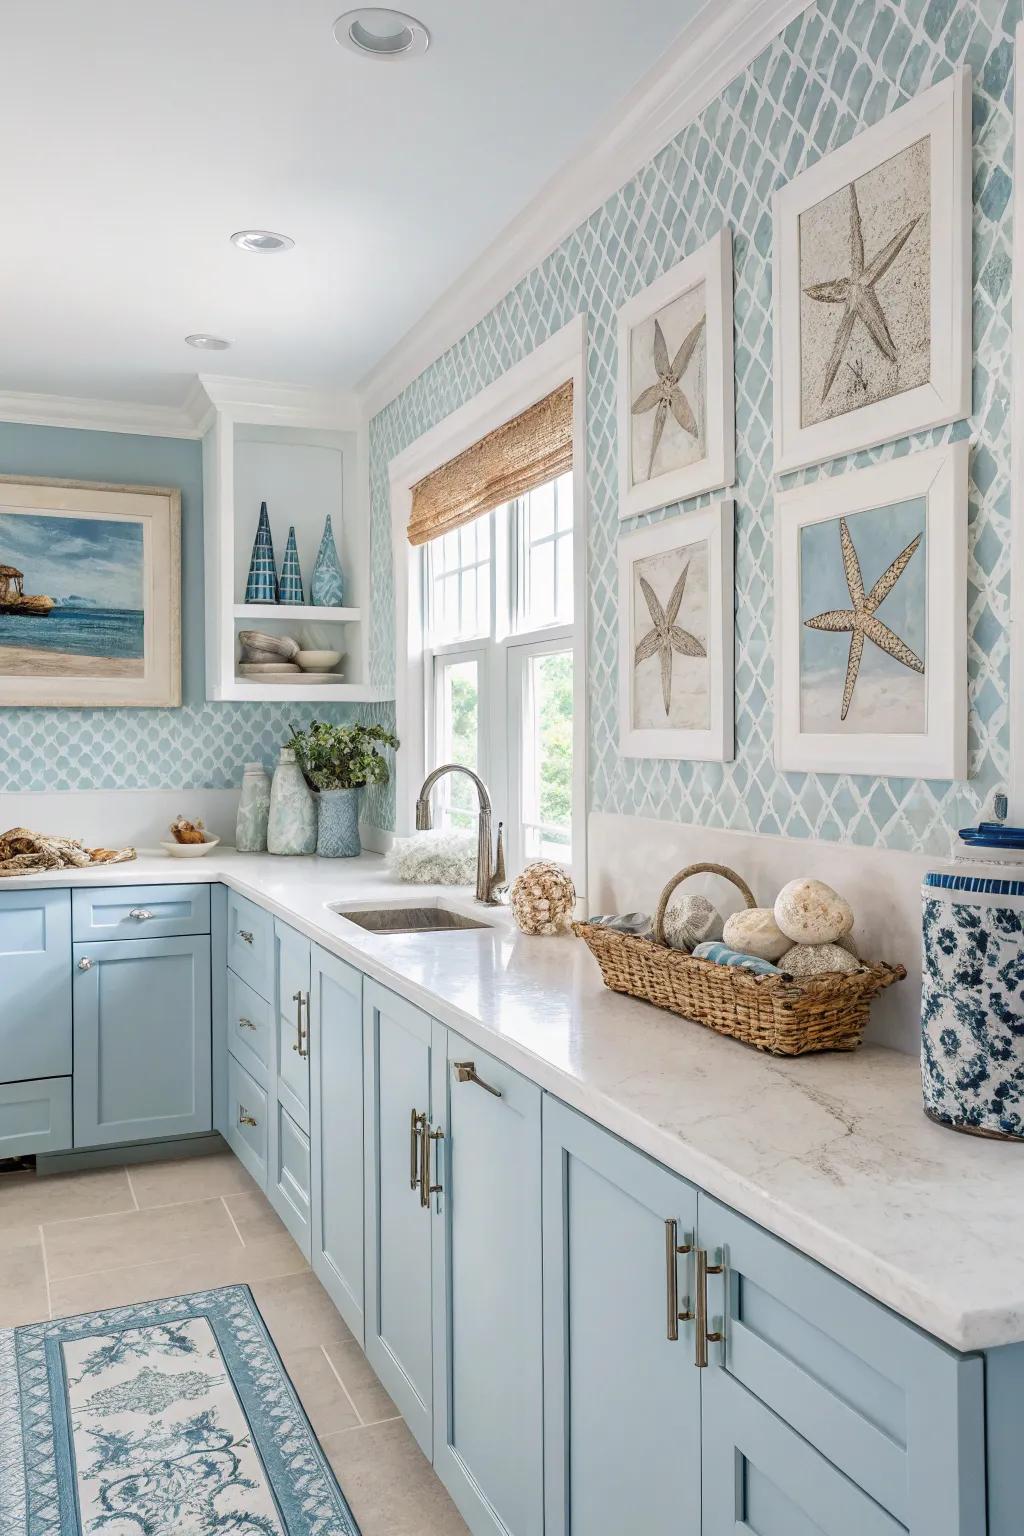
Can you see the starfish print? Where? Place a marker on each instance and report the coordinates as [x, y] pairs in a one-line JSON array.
[[667, 393], [666, 636], [861, 620], [857, 293]]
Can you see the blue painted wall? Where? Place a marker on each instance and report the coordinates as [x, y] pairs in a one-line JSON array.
[[200, 745]]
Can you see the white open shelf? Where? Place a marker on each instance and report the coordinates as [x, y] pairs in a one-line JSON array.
[[297, 692], [282, 612]]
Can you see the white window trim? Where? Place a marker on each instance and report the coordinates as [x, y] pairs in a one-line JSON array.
[[563, 356]]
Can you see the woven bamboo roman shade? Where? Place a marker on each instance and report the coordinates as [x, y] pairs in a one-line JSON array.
[[523, 453]]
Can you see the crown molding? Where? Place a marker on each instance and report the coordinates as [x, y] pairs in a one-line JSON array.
[[721, 40], [299, 405], [99, 415]]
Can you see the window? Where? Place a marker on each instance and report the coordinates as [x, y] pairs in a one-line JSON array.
[[498, 600]]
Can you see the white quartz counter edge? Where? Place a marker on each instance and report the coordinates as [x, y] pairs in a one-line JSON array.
[[831, 1153]]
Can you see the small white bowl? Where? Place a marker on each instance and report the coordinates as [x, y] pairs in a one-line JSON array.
[[189, 850], [318, 661]]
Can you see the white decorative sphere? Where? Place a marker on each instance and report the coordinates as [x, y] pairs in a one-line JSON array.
[[755, 932], [543, 898], [810, 912], [690, 920], [817, 960]]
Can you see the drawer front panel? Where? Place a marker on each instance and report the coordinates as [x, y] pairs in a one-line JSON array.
[[250, 1027], [140, 912], [35, 984], [35, 1117], [247, 1121], [251, 944], [289, 1189]]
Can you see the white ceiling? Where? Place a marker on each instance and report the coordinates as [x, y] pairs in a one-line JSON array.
[[138, 137]]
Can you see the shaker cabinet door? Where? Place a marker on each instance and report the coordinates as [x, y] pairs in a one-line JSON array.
[[621, 1389], [35, 984], [293, 952]]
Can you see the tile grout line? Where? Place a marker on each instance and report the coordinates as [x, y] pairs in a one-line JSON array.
[[131, 1188], [46, 1271], [231, 1218], [341, 1384]]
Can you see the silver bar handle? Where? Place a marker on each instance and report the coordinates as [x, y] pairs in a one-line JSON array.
[[673, 1247], [465, 1072]]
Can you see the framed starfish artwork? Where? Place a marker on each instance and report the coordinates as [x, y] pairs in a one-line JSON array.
[[872, 284], [871, 619], [675, 389], [676, 637]]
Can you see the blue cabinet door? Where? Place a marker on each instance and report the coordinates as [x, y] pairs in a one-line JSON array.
[[488, 1324], [35, 984], [142, 1040], [336, 1133], [396, 1050], [293, 963], [621, 1393]]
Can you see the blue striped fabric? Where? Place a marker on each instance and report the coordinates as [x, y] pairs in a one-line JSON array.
[[990, 885], [721, 954]]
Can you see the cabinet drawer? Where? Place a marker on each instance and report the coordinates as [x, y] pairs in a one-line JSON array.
[[251, 944], [289, 1184], [247, 1121], [140, 912], [250, 1027], [35, 1117], [35, 984]]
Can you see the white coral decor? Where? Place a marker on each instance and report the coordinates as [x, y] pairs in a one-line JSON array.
[[543, 898], [435, 858]]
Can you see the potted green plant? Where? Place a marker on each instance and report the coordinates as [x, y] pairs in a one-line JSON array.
[[338, 761]]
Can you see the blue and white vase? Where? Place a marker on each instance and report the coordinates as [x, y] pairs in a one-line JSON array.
[[326, 587], [972, 1002], [290, 588], [291, 828], [338, 827], [253, 810], [261, 587]]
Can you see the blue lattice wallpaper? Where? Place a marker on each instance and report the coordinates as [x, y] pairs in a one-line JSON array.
[[198, 746], [841, 65]]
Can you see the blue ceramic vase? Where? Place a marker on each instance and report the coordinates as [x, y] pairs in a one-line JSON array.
[[253, 810], [290, 588], [291, 828], [261, 586], [338, 831], [326, 587]]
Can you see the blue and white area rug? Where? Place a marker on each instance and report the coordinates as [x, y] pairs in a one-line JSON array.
[[169, 1418]]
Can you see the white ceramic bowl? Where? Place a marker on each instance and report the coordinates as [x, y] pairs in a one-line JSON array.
[[190, 850], [318, 661]]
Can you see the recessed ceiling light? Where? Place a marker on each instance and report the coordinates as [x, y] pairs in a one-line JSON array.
[[262, 242], [207, 343], [378, 33]]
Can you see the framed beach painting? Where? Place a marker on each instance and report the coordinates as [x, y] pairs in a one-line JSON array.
[[872, 284], [675, 387], [90, 594], [871, 619], [676, 637]]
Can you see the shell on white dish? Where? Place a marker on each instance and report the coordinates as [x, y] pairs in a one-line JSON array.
[[817, 960], [755, 932], [281, 645], [811, 912], [690, 920]]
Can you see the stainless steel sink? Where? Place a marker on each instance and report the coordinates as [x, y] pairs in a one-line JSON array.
[[408, 919]]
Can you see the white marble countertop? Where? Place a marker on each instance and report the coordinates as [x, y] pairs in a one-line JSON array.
[[832, 1153]]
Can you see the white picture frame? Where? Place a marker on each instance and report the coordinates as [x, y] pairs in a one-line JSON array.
[[931, 485], [107, 558], [707, 373], [698, 545], [936, 340]]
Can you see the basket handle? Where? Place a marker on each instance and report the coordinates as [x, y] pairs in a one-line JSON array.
[[684, 874]]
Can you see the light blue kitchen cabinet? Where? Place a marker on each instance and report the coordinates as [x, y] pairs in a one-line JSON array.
[[35, 984], [336, 1133], [141, 1040], [247, 1131], [289, 1173], [622, 1415], [486, 1254], [396, 1050], [293, 980], [35, 1117], [115, 912], [249, 943]]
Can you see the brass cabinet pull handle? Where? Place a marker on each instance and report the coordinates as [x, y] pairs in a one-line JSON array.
[[426, 1188], [245, 1023], [465, 1072], [85, 964], [673, 1247], [141, 914], [245, 936], [416, 1124], [244, 1117], [704, 1338]]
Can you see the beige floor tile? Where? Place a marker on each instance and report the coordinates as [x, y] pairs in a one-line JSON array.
[[298, 1312], [371, 1401], [173, 1277], [189, 1178], [390, 1484], [137, 1237], [26, 1199], [255, 1217], [23, 1297], [325, 1400]]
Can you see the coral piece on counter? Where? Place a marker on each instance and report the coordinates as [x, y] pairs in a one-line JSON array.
[[434, 858], [722, 954], [543, 898], [28, 853], [691, 920], [755, 932], [818, 960], [184, 831], [811, 912]]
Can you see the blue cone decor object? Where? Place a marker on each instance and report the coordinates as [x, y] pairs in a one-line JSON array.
[[261, 586], [326, 588], [290, 589]]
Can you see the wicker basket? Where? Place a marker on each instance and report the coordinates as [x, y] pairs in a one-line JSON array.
[[780, 1014]]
